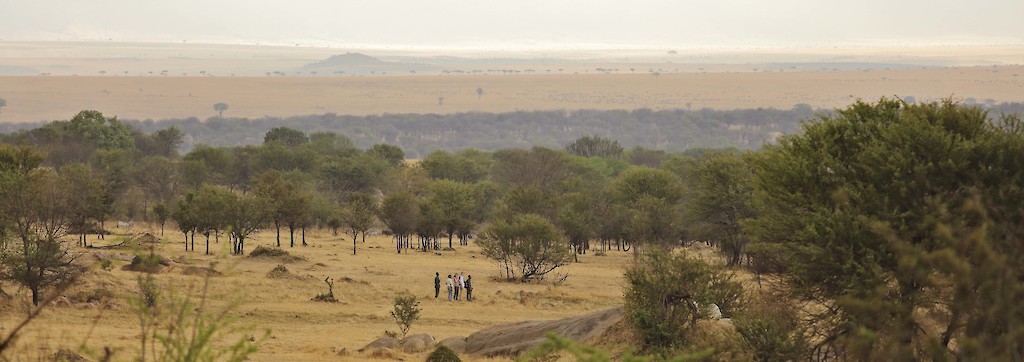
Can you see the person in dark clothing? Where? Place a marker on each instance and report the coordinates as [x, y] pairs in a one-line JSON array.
[[469, 288], [437, 284]]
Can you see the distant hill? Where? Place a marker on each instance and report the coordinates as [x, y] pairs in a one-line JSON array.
[[358, 63], [347, 59]]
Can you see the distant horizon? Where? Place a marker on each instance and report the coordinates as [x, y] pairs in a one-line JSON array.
[[492, 47], [523, 25]]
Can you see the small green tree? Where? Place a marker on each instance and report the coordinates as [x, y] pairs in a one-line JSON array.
[[406, 312], [162, 214], [220, 107], [358, 217]]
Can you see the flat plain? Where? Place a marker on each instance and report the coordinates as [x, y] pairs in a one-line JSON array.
[[300, 329], [144, 81]]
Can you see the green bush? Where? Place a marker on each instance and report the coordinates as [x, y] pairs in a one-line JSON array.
[[771, 332], [443, 354], [269, 252], [667, 293]]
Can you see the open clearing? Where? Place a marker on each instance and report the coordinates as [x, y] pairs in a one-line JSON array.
[[305, 330]]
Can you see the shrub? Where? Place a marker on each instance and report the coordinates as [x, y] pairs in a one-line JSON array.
[[149, 292], [148, 263], [106, 264], [772, 333], [279, 272], [406, 311], [267, 252], [329, 296], [443, 354], [665, 295]]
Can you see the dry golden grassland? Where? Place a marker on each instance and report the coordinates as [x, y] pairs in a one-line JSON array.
[[300, 329], [34, 98]]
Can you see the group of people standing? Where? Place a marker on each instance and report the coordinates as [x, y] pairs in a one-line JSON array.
[[456, 283]]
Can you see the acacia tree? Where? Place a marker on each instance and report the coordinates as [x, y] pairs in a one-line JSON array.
[[88, 199], [399, 212], [34, 215], [358, 217], [276, 191], [527, 246], [244, 215], [595, 146], [220, 107], [576, 220], [652, 198], [455, 201], [211, 206], [392, 154], [162, 214], [722, 196], [185, 214], [903, 222]]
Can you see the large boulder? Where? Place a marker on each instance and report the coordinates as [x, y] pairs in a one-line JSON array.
[[417, 343], [714, 312], [456, 344], [389, 343], [518, 338]]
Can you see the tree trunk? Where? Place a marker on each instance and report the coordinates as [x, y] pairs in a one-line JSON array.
[[35, 296], [278, 227], [450, 241], [291, 236], [364, 236], [207, 243], [304, 237], [355, 239]]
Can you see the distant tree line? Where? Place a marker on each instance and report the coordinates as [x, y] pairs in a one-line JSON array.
[[420, 134]]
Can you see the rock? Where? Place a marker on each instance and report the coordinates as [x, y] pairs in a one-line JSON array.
[[517, 338], [457, 344], [383, 353], [714, 312], [417, 343], [61, 302], [382, 342]]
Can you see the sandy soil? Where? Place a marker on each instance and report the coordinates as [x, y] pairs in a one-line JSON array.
[[305, 330], [55, 98]]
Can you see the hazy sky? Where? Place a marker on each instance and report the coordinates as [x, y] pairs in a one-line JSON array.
[[521, 24]]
